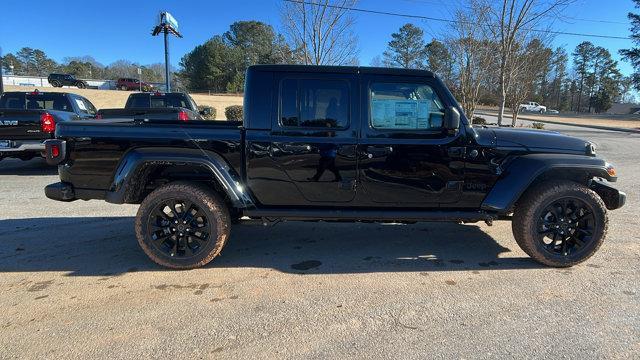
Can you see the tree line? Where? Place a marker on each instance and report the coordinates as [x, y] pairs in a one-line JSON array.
[[486, 55], [490, 53], [34, 62]]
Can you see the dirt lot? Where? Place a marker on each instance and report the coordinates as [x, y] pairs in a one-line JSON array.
[[75, 285], [116, 98], [606, 120]]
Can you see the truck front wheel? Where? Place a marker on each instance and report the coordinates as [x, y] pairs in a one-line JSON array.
[[182, 225], [560, 223]]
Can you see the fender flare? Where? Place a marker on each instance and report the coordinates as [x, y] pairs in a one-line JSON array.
[[524, 170], [135, 164]]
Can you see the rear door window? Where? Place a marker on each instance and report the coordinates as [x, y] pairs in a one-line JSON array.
[[314, 103]]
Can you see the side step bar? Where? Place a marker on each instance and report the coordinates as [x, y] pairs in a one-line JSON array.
[[373, 215]]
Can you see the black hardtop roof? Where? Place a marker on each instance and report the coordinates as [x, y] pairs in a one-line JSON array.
[[35, 92], [157, 93], [341, 70]]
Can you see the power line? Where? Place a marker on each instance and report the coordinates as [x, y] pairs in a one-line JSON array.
[[597, 21], [562, 17], [449, 21]]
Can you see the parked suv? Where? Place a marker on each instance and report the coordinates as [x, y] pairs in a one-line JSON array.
[[133, 84], [60, 80]]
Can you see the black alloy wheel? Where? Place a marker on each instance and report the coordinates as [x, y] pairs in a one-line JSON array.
[[560, 223], [565, 226], [182, 225], [179, 228]]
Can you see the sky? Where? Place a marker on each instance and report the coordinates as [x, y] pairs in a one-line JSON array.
[[116, 29]]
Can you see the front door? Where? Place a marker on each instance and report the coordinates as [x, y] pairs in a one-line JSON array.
[[407, 159], [313, 138]]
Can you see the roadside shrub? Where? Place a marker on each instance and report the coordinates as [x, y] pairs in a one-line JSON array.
[[477, 120], [233, 112], [211, 112], [538, 125]]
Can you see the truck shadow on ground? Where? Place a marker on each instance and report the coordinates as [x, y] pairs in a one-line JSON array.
[[36, 166], [107, 246]]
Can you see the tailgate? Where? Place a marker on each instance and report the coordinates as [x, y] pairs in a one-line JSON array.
[[16, 124], [140, 113]]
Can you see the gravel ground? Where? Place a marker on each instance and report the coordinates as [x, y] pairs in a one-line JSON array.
[[75, 284]]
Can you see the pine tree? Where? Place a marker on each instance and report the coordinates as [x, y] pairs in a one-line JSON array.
[[407, 49], [633, 55]]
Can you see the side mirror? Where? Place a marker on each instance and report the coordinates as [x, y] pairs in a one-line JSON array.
[[451, 119]]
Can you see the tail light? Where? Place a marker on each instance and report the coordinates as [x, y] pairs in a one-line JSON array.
[[47, 123], [183, 116], [55, 151]]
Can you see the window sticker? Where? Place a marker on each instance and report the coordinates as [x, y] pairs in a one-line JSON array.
[[80, 104], [400, 114]]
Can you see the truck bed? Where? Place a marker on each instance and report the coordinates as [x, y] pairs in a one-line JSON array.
[[98, 146]]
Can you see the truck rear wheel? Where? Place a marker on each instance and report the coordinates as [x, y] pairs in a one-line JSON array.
[[182, 225], [560, 223]]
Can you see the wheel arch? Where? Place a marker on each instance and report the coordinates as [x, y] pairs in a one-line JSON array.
[[143, 169], [525, 172]]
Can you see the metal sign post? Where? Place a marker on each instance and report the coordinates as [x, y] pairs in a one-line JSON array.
[[140, 78], [1, 73], [166, 24]]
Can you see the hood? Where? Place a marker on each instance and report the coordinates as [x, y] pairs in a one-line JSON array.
[[532, 140]]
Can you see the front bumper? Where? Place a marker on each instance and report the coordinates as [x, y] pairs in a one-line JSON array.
[[612, 197]]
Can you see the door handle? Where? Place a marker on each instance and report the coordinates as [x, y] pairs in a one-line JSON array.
[[378, 151]]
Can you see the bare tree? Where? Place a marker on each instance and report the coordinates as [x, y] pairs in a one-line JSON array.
[[320, 31], [512, 19], [526, 68], [471, 53]]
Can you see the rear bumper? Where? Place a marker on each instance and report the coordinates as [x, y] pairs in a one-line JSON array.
[[62, 191], [18, 146]]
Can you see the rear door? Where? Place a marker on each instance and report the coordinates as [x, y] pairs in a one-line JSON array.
[[314, 138]]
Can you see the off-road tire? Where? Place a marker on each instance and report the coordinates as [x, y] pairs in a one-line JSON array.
[[56, 84], [123, 88], [207, 200], [81, 85], [531, 206]]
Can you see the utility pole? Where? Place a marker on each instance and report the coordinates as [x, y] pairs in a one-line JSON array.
[[167, 24]]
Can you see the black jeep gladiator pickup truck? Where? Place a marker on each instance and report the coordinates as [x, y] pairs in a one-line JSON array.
[[27, 119], [338, 144], [156, 106]]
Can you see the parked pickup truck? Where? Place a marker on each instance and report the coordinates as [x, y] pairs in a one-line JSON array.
[[338, 144], [27, 119], [156, 106], [533, 107]]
